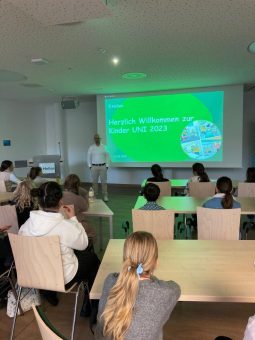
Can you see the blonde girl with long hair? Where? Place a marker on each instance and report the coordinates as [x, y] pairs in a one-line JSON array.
[[23, 201], [135, 304]]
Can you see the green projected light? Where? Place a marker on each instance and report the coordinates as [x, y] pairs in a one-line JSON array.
[[165, 128]]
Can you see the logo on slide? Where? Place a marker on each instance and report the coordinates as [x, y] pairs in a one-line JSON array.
[[201, 139]]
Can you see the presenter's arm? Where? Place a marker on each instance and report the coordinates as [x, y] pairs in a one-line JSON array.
[[107, 157], [89, 157]]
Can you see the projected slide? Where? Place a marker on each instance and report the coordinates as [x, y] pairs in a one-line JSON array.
[[165, 128]]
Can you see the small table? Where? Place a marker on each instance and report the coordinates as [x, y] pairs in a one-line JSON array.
[[98, 208], [212, 271]]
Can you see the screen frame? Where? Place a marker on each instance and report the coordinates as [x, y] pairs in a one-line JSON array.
[[233, 128]]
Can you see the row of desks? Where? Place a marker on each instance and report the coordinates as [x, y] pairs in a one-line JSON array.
[[209, 271], [214, 271], [188, 205], [182, 183]]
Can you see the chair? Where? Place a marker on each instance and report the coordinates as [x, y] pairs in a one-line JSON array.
[[158, 222], [39, 265], [47, 330], [246, 189], [165, 188], [8, 216], [218, 224], [2, 186], [201, 189]]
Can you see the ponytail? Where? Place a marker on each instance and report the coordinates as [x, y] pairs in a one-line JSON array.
[[227, 201], [120, 303], [204, 177], [224, 186]]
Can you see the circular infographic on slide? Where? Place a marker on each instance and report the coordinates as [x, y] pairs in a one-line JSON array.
[[201, 139]]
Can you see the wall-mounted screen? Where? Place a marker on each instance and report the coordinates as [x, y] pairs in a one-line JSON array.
[[173, 128], [48, 168], [50, 165]]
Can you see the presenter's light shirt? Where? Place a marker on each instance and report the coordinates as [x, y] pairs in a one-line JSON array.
[[97, 155]]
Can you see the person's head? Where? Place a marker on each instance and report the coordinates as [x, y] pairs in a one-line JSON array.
[[49, 195], [250, 175], [224, 186], [72, 183], [6, 165], [199, 170], [97, 139], [34, 172], [151, 192], [140, 250], [22, 195], [157, 171]]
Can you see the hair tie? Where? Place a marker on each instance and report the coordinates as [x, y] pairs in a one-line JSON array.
[[139, 269], [129, 268]]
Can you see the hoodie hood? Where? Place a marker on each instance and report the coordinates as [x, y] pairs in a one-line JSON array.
[[42, 223]]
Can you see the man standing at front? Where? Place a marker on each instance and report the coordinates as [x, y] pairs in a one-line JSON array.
[[98, 164]]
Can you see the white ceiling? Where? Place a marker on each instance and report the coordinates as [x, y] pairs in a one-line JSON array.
[[177, 43]]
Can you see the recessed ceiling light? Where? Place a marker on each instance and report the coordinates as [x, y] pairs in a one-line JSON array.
[[251, 47], [134, 75], [115, 60]]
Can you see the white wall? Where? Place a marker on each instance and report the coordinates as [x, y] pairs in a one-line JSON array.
[[24, 124], [36, 129], [81, 125]]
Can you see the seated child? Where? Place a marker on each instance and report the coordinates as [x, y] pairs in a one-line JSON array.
[[223, 198], [134, 303], [157, 174], [151, 193], [199, 175], [35, 175]]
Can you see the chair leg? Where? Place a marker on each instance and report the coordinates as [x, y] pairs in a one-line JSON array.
[[15, 295], [75, 310], [16, 312]]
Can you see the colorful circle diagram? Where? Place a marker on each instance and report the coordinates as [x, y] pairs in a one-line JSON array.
[[201, 139]]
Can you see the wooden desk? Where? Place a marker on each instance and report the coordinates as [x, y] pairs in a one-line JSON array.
[[98, 208], [6, 196], [188, 205], [213, 271], [182, 183]]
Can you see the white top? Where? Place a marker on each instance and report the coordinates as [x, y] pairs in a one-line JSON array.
[[97, 154], [192, 179], [39, 180], [9, 176], [71, 233]]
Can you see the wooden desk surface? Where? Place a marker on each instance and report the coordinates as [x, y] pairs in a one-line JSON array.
[[5, 196], [181, 183], [98, 208], [188, 205], [213, 271]]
